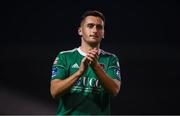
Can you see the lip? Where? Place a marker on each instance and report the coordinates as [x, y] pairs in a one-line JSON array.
[[94, 36]]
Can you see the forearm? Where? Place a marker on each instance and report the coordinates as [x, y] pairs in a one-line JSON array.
[[110, 85], [59, 87]]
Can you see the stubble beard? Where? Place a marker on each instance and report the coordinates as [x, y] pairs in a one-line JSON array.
[[93, 44]]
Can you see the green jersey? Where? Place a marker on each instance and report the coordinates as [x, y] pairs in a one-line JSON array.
[[87, 95]]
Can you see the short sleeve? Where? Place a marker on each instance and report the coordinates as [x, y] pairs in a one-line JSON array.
[[114, 68], [58, 68]]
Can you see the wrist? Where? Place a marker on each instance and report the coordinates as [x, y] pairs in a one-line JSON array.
[[79, 73], [96, 66]]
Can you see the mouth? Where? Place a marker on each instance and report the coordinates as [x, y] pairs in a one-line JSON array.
[[94, 36]]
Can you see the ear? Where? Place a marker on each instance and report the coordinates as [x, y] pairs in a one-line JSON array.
[[80, 31]]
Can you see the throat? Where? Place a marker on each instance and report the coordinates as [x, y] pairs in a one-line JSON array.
[[87, 49]]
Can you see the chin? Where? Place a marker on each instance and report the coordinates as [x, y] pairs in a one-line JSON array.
[[94, 43]]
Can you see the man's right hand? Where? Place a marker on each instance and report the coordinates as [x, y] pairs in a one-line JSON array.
[[83, 65]]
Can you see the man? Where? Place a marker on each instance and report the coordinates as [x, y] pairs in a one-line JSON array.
[[85, 78]]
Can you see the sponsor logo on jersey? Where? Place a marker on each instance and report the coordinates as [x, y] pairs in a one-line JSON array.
[[87, 85], [75, 65], [117, 71]]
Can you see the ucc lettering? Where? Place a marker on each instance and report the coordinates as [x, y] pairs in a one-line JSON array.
[[88, 82]]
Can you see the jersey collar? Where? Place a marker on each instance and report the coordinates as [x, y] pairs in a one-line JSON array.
[[83, 53]]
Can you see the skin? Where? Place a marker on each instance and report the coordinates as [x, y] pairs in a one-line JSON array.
[[91, 32]]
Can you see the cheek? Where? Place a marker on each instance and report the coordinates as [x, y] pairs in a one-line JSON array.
[[102, 34], [85, 32]]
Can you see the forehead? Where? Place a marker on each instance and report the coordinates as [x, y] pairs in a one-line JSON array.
[[93, 19]]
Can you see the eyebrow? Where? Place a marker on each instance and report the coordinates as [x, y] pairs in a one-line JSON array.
[[98, 25], [93, 24]]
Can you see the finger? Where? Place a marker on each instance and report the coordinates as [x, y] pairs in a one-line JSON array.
[[89, 58], [96, 50], [93, 55], [93, 52], [84, 60]]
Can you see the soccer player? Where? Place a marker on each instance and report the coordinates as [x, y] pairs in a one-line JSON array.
[[84, 78]]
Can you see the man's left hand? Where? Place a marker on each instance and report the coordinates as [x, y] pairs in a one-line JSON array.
[[92, 56]]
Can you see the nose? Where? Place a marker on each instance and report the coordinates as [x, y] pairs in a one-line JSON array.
[[94, 29]]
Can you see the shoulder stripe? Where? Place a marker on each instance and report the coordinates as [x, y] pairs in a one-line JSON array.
[[59, 66], [106, 53], [68, 51]]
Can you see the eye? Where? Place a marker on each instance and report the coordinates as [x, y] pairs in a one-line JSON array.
[[90, 25], [99, 27]]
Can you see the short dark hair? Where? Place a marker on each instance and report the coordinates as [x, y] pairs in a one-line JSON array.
[[92, 13]]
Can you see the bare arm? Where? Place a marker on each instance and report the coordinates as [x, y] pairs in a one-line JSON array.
[[58, 87], [112, 86]]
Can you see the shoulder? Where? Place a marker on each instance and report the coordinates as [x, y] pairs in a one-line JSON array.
[[109, 54], [113, 59], [68, 52]]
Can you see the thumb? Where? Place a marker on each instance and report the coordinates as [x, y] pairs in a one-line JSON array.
[[85, 60]]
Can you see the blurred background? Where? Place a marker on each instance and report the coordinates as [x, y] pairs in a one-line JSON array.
[[143, 34]]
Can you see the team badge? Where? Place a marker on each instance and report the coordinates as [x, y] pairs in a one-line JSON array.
[[102, 66]]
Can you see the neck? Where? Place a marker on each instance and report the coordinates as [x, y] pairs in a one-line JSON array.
[[86, 47]]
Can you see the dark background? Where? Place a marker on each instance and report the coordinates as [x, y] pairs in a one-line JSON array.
[[143, 34]]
